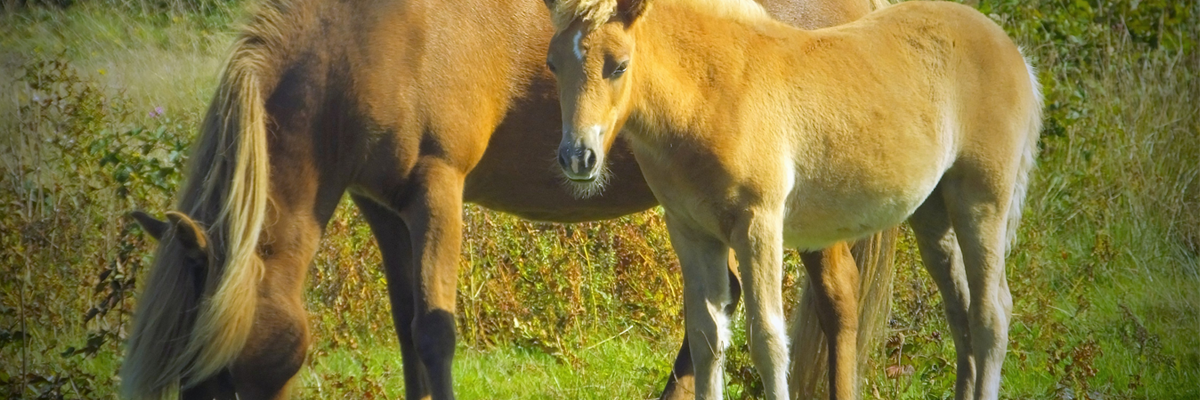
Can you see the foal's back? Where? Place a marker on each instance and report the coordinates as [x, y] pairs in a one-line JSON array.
[[892, 103]]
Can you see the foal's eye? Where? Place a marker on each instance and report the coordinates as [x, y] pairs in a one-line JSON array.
[[619, 70], [550, 65]]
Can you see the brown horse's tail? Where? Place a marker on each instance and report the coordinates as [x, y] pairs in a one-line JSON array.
[[810, 355], [191, 320]]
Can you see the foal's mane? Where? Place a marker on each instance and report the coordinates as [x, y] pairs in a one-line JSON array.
[[597, 12]]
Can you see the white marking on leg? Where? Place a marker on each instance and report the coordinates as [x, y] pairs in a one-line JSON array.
[[722, 321], [778, 325]]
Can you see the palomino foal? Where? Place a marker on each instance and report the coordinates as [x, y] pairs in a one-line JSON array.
[[755, 135]]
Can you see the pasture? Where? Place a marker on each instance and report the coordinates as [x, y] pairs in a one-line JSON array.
[[101, 99]]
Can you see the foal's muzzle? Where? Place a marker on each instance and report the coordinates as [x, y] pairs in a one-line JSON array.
[[582, 156], [579, 163]]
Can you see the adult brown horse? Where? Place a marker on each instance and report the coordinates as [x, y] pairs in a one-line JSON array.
[[411, 106]]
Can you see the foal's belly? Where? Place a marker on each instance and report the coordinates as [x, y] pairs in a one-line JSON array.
[[811, 225], [823, 211]]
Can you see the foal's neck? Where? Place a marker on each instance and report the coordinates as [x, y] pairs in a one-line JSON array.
[[696, 65]]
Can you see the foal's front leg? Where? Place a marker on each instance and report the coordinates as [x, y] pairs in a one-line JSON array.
[[706, 299], [759, 247], [681, 384]]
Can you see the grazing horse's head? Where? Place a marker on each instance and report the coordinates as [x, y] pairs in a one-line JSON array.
[[591, 56]]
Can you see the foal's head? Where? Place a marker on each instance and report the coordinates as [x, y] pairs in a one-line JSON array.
[[591, 55]]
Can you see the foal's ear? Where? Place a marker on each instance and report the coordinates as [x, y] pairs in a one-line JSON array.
[[188, 232], [151, 225], [630, 10]]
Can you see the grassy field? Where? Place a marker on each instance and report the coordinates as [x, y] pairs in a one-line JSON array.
[[100, 100]]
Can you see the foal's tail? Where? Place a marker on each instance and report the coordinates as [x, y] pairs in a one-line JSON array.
[[810, 353], [1028, 156], [192, 321]]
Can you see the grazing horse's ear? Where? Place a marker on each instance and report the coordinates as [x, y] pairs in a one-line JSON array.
[[630, 10], [153, 226], [188, 232]]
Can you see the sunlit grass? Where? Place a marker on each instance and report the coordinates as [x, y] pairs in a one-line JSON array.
[[622, 366]]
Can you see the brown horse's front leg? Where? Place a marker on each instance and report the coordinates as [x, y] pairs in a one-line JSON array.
[[434, 218], [395, 247], [681, 384], [834, 280]]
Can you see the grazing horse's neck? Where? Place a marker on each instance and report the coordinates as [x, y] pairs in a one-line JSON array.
[[694, 68]]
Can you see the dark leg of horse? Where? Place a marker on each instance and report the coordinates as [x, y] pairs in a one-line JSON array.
[[396, 249], [433, 213], [834, 279], [681, 384]]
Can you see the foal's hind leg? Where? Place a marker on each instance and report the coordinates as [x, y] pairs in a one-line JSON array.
[[396, 248], [939, 251], [978, 212], [834, 278]]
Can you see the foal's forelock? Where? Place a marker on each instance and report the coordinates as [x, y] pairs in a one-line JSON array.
[[591, 12]]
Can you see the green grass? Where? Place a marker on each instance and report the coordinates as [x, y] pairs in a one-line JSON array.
[[1105, 274], [627, 366]]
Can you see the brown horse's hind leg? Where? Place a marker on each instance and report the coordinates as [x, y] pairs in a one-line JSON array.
[[433, 213], [396, 249], [681, 384], [834, 281]]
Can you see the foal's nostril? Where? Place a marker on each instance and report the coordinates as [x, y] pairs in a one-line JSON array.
[[562, 161], [590, 160]]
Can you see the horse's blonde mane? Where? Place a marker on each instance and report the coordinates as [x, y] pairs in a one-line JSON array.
[[177, 341], [597, 12]]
